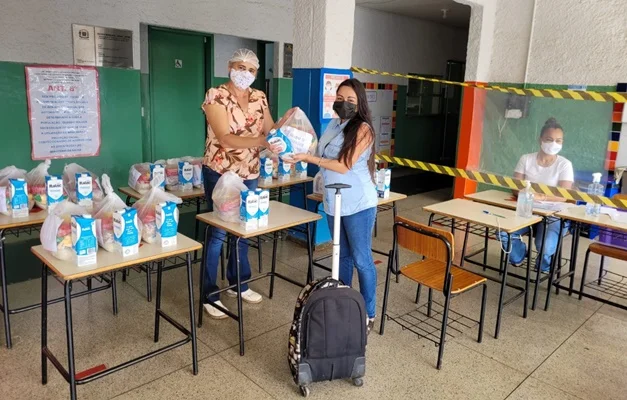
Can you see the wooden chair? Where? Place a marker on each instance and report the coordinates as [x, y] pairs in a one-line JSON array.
[[435, 271], [603, 250]]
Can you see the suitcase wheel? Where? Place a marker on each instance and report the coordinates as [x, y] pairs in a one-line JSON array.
[[358, 382], [304, 391]]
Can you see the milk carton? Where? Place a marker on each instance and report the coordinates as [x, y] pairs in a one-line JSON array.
[[84, 241], [84, 189], [264, 206], [249, 209], [266, 170], [285, 170], [18, 198], [54, 191], [186, 175], [158, 171], [167, 215], [300, 170], [383, 183], [126, 231]]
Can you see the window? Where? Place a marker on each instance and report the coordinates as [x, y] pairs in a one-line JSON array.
[[424, 98]]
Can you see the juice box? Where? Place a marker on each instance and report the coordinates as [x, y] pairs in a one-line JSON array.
[[84, 241], [126, 231]]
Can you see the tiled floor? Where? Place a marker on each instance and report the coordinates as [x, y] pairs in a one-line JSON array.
[[576, 350]]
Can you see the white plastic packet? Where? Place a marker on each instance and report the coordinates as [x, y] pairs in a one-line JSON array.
[[146, 209], [36, 179], [6, 174], [226, 196], [293, 134], [56, 231], [318, 183], [103, 214], [69, 182]]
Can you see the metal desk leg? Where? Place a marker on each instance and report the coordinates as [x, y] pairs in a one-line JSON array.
[[114, 292], [5, 294], [158, 301], [395, 253], [240, 316], [190, 289], [70, 338], [528, 275], [486, 240], [44, 324], [197, 226], [554, 265], [461, 262], [149, 281], [310, 268], [201, 297], [499, 314], [571, 269], [539, 263], [274, 246], [259, 254]]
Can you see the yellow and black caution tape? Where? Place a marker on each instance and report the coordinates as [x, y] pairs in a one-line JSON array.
[[503, 181], [615, 97]]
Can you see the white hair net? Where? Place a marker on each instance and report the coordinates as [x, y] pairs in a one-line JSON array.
[[245, 55]]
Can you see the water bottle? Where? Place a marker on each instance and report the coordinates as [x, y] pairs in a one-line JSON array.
[[524, 205], [594, 189]]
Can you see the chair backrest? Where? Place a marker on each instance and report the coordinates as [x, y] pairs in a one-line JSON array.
[[424, 240]]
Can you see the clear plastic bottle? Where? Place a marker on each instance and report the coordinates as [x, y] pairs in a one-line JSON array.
[[524, 205], [595, 189]]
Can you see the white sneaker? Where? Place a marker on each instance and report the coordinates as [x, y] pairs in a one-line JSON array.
[[214, 312], [248, 296]]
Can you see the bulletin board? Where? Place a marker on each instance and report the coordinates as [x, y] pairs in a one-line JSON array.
[[382, 100]]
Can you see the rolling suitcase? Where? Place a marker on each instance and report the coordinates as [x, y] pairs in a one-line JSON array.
[[329, 333]]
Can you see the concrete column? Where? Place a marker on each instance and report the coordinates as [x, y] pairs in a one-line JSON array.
[[323, 45]]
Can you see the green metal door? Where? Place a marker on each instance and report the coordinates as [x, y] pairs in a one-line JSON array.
[[177, 89]]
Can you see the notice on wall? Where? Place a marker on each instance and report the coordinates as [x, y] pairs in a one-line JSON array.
[[63, 111], [288, 51], [330, 84], [102, 47], [384, 138]]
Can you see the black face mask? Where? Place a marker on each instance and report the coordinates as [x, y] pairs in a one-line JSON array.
[[344, 109]]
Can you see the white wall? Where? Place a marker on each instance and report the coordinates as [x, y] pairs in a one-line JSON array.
[[224, 47], [41, 30], [393, 43]]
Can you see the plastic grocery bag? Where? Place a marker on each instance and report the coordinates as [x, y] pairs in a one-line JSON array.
[[146, 209], [226, 196], [138, 177], [56, 231], [69, 182], [318, 183], [103, 214], [6, 174], [36, 180], [293, 134]]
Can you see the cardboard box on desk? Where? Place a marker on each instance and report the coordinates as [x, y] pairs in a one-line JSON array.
[[384, 176], [264, 207], [126, 231], [167, 218], [249, 210], [84, 190], [54, 191], [84, 241], [266, 170]]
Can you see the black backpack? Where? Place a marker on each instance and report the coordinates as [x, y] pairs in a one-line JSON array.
[[329, 334]]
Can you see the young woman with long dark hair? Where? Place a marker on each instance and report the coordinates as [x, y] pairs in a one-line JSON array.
[[346, 155]]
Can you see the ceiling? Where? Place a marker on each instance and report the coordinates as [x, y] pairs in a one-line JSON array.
[[458, 15]]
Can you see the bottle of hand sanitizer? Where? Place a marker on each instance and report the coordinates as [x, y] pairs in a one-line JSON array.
[[594, 189], [524, 205]]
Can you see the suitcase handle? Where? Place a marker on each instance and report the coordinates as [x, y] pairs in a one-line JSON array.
[[338, 187]]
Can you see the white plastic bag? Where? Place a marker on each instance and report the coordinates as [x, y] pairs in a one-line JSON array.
[[318, 183], [138, 177], [69, 182], [103, 214], [56, 231], [226, 196], [36, 180], [7, 173], [146, 209], [293, 134]]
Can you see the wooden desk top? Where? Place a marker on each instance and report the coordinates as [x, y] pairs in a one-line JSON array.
[[107, 262], [507, 200], [277, 183], [393, 197], [473, 212], [282, 216], [578, 214], [33, 219], [183, 195]]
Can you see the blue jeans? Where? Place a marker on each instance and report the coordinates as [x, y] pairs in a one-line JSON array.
[[214, 245], [356, 251], [519, 247]]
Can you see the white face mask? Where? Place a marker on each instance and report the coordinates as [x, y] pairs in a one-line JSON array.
[[242, 79], [551, 148]]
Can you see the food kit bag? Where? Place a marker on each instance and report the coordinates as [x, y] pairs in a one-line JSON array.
[[293, 134], [226, 196], [318, 184], [103, 214], [69, 182], [146, 209], [36, 180], [6, 175], [56, 231]]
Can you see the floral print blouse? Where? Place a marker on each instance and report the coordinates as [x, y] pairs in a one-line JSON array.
[[244, 162]]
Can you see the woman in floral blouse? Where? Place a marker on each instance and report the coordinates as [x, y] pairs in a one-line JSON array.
[[238, 121]]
